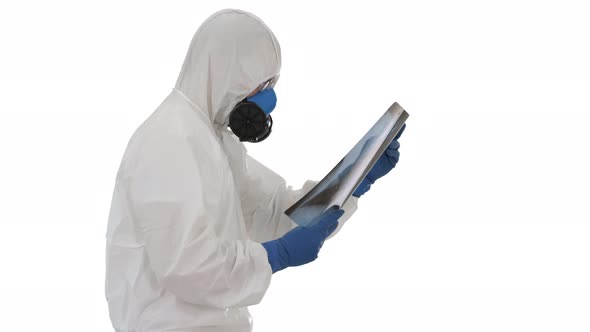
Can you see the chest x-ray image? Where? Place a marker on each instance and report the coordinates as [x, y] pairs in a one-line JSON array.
[[336, 188]]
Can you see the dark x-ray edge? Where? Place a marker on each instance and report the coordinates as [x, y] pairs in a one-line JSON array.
[[337, 186]]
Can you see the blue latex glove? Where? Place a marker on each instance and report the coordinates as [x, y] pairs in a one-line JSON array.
[[384, 165], [301, 245]]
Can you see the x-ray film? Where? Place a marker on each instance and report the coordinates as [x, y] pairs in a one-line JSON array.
[[336, 188]]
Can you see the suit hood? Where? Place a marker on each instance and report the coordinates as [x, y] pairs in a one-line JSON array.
[[230, 55]]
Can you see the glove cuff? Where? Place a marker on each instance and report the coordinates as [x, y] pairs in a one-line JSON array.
[[276, 255]]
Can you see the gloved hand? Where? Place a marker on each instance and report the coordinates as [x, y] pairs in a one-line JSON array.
[[384, 164], [301, 245]]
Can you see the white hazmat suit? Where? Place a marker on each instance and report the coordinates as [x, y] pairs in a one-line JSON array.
[[190, 207]]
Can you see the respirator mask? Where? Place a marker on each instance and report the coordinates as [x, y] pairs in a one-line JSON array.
[[250, 119]]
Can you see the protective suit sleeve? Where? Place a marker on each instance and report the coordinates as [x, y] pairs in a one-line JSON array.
[[266, 199], [174, 216]]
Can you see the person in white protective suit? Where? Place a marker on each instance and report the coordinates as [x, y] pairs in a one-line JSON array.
[[196, 227]]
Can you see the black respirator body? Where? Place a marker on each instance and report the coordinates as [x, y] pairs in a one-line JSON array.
[[250, 119]]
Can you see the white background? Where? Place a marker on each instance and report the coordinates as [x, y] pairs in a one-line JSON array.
[[483, 226]]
